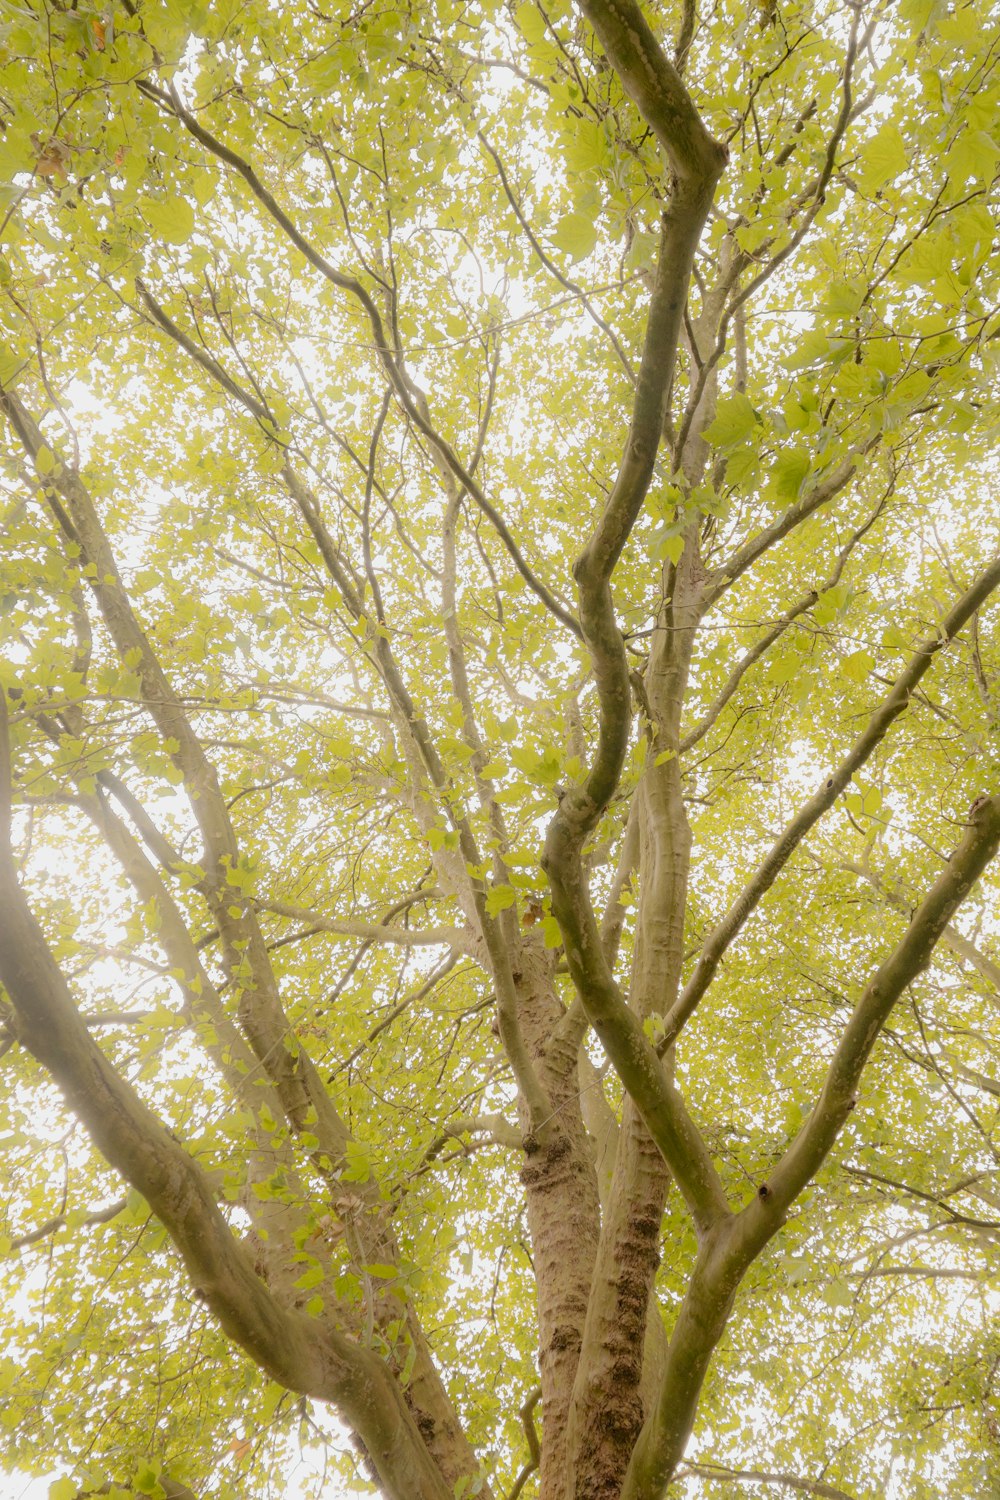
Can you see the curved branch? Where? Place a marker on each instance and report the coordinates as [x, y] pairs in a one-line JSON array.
[[959, 944], [261, 1015], [527, 1415], [722, 1475], [724, 576], [304, 1354], [375, 932], [387, 357], [385, 662], [777, 630], [696, 161], [654, 85], [732, 1245], [911, 956], [52, 1226], [689, 18], [879, 723]]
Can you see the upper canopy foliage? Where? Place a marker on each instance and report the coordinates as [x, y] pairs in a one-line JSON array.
[[432, 433]]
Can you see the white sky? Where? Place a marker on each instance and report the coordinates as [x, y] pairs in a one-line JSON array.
[[17, 1486]]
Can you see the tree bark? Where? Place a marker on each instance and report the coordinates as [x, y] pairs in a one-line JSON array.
[[563, 1211]]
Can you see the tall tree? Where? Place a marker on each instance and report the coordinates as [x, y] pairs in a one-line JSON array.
[[498, 746]]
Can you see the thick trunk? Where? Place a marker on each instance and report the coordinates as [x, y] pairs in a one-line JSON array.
[[563, 1213], [608, 1407], [608, 1401]]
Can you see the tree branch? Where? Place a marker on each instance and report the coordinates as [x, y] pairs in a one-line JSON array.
[[696, 161], [655, 88], [911, 956], [879, 723], [959, 944], [462, 941], [383, 348], [527, 1415], [52, 1226], [721, 1475], [383, 658], [301, 1353], [731, 1244], [821, 494], [777, 630]]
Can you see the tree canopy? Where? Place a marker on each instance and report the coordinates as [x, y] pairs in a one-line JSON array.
[[499, 767]]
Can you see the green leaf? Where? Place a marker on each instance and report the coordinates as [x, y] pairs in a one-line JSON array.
[[551, 931], [864, 803], [783, 668], [530, 22], [12, 362], [671, 547], [797, 1269], [974, 155], [735, 419], [359, 1168], [858, 665], [313, 1277], [575, 235], [499, 898], [147, 1479], [171, 219], [882, 158], [524, 758], [789, 474], [653, 1028], [844, 298], [812, 348]]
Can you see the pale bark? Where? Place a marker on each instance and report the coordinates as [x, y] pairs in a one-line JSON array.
[[273, 1050], [880, 721], [624, 1335], [308, 1356], [732, 1244]]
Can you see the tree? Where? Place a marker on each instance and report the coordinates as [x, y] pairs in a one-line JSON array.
[[500, 698]]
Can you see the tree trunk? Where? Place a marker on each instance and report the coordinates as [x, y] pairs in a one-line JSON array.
[[563, 1211]]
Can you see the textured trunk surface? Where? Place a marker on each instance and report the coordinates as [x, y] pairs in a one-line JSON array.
[[435, 1415], [563, 1212], [608, 1406], [611, 1397]]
